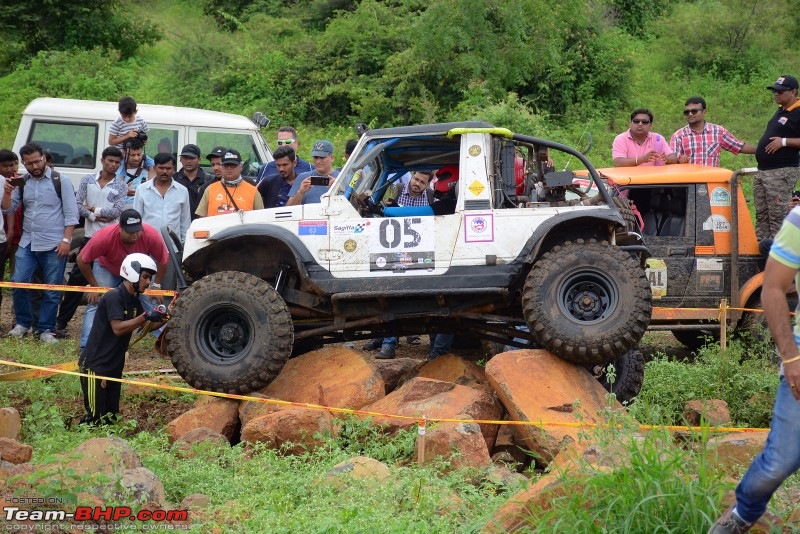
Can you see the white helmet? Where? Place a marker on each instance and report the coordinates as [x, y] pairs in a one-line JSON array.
[[134, 264]]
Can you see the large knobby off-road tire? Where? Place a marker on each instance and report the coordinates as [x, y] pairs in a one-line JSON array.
[[231, 332], [624, 207], [628, 376], [587, 301]]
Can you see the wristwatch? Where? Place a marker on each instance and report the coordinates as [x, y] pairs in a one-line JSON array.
[[66, 240]]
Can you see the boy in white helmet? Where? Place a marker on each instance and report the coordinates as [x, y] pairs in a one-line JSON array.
[[119, 313]]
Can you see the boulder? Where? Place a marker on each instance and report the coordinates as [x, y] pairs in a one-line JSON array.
[[142, 486], [109, 456], [461, 443], [359, 468], [451, 368], [293, 430], [505, 444], [332, 376], [183, 446], [515, 514], [437, 399], [563, 394], [249, 410], [714, 412], [395, 370], [219, 415], [14, 452], [729, 452], [500, 475], [10, 423]]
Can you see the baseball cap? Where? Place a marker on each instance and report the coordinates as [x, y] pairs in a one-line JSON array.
[[216, 152], [130, 221], [321, 149], [193, 151], [231, 156], [784, 83]]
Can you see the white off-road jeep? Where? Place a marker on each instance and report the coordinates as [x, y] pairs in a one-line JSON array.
[[510, 251]]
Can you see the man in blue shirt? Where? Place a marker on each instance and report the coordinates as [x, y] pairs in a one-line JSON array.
[[275, 189], [162, 201], [287, 136], [303, 192], [47, 225]]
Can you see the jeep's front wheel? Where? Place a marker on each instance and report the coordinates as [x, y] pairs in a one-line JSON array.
[[231, 332], [587, 301]]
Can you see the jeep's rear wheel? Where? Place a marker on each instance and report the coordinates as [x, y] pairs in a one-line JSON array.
[[587, 302], [231, 332], [628, 376]]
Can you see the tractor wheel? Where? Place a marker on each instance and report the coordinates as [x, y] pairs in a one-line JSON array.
[[587, 302], [231, 332]]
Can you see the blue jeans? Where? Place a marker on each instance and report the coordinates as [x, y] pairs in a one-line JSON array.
[[53, 273], [440, 345], [779, 459], [104, 279], [390, 342]]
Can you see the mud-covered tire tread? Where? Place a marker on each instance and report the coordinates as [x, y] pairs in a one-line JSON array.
[[624, 207], [629, 369], [267, 357], [587, 344]]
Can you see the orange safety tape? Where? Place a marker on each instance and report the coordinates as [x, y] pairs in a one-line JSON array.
[[417, 418], [80, 289], [19, 376]]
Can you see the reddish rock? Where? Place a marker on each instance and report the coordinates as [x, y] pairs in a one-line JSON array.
[[332, 376], [15, 452], [292, 431], [10, 423], [461, 443], [730, 452], [109, 456], [359, 468], [184, 445], [249, 410], [220, 415], [451, 368], [535, 385], [437, 399], [514, 516], [713, 412], [500, 475], [395, 371]]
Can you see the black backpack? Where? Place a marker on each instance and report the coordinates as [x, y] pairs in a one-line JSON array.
[[55, 176]]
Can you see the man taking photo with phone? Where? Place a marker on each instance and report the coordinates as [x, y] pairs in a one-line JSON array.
[[310, 186]]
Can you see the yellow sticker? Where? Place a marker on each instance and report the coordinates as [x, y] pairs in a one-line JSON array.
[[350, 245], [656, 273], [474, 150], [476, 188]]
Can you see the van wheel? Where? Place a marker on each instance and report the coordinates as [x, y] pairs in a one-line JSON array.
[[587, 302], [231, 332]]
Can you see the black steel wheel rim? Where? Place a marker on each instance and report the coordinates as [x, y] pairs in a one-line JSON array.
[[587, 297], [225, 334]]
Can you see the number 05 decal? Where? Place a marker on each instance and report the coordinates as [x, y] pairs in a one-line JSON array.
[[402, 244]]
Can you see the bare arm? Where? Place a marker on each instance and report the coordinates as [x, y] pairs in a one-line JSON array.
[[778, 280]]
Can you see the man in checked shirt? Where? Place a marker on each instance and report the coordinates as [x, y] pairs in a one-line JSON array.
[[700, 141]]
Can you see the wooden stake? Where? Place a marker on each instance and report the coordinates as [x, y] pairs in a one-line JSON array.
[[723, 324], [421, 441]]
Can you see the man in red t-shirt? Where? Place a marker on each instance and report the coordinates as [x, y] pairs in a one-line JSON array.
[[108, 248]]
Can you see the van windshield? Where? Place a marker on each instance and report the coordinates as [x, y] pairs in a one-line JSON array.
[[243, 143]]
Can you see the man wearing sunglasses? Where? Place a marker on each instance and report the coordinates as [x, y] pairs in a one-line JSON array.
[[639, 145], [287, 136], [701, 142], [777, 158]]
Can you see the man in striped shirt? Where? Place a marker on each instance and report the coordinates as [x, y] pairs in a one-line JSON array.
[[701, 142]]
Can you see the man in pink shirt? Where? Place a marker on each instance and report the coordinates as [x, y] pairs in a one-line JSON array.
[[701, 142], [108, 248], [639, 146]]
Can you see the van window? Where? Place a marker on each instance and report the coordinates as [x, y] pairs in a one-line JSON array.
[[70, 144], [244, 143], [162, 140]]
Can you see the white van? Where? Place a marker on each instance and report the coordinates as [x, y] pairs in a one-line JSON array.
[[75, 132]]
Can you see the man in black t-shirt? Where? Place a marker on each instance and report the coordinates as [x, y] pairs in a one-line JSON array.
[[778, 158], [119, 313]]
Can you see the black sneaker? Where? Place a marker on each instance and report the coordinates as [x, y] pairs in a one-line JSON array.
[[386, 353], [413, 340], [374, 344], [60, 333]]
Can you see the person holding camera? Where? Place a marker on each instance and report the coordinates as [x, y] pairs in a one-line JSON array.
[[231, 194], [128, 125], [310, 186]]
